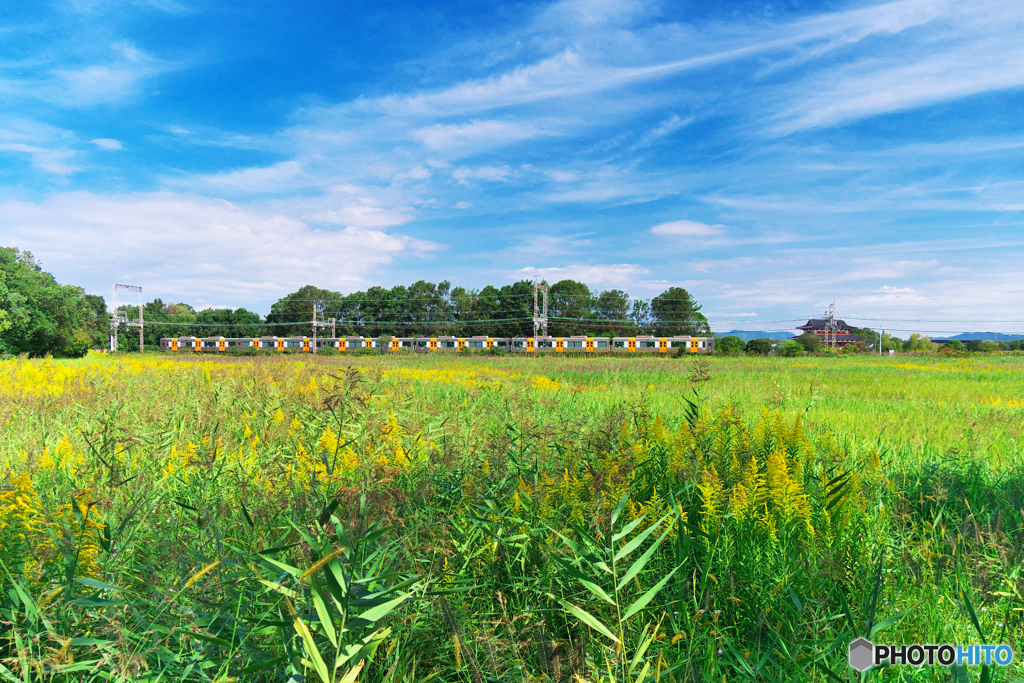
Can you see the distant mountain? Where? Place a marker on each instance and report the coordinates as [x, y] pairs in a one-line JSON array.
[[990, 336], [747, 336]]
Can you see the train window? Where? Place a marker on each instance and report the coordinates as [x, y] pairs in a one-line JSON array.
[[449, 344], [476, 344], [646, 344], [574, 344], [544, 344], [602, 344], [620, 344]]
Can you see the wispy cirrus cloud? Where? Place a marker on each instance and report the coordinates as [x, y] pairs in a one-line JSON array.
[[114, 74], [815, 136]]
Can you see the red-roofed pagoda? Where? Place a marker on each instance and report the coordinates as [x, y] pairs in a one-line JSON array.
[[842, 336]]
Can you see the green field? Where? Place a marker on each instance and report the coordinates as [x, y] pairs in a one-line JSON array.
[[482, 518]]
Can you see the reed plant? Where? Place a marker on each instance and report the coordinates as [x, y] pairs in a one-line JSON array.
[[498, 518]]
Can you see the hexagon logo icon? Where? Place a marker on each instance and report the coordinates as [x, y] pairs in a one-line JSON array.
[[862, 654]]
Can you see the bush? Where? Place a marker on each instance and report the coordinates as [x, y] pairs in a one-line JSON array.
[[729, 346], [954, 345], [758, 347], [792, 348], [810, 342]]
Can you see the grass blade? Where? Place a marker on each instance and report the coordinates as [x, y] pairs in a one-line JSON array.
[[642, 601], [589, 619]]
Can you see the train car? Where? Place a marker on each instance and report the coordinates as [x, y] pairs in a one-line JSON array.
[[210, 344], [352, 343], [403, 343], [446, 344], [326, 343], [572, 344]]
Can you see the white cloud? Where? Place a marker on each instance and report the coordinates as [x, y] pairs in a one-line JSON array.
[[193, 248], [688, 229], [362, 215], [119, 79], [541, 245], [460, 137], [663, 129], [965, 49], [622, 274], [48, 147], [464, 174], [415, 173], [282, 176], [48, 160], [462, 205], [107, 144]]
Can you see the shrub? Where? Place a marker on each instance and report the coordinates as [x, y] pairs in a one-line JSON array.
[[810, 342], [792, 348], [729, 346], [759, 347]]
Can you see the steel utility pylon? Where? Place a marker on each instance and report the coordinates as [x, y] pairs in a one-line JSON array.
[[540, 321], [117, 319]]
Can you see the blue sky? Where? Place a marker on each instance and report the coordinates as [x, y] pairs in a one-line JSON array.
[[771, 157]]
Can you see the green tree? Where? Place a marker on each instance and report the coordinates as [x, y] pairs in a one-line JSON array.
[[729, 345], [790, 348], [675, 312], [758, 347], [570, 308], [869, 335], [297, 307], [640, 314], [41, 316], [98, 324], [955, 345], [515, 308], [917, 343], [810, 342], [611, 314]]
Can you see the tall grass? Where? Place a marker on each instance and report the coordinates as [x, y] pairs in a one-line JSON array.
[[410, 518]]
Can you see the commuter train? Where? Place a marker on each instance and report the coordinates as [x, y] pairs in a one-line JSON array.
[[528, 345]]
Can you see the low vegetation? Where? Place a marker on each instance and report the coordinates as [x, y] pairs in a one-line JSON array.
[[505, 519]]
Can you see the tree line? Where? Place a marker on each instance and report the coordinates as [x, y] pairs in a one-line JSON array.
[[429, 309], [39, 316]]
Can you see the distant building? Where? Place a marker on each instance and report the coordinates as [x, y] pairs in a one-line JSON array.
[[843, 335]]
